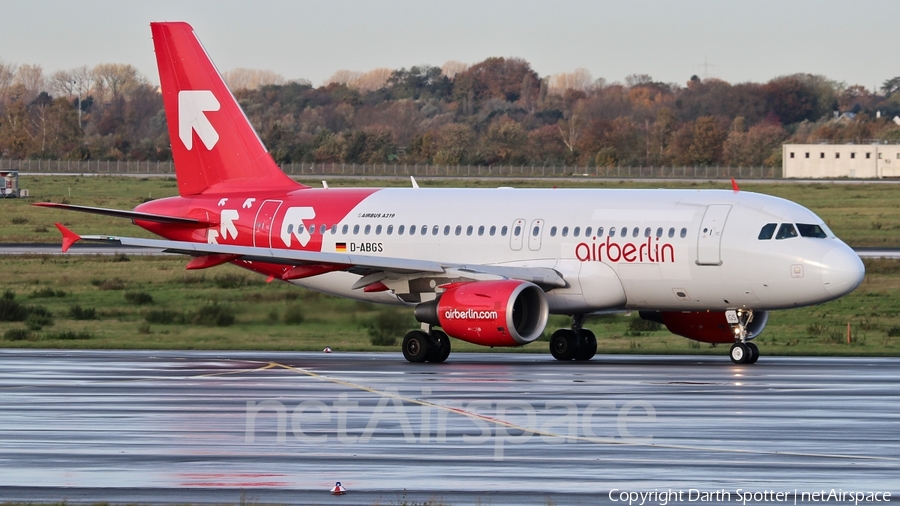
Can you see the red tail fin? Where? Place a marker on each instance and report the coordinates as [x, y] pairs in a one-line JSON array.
[[214, 147]]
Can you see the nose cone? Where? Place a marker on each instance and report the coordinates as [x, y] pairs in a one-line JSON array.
[[842, 271]]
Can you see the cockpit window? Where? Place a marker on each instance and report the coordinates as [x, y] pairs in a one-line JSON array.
[[767, 231], [786, 231], [807, 230]]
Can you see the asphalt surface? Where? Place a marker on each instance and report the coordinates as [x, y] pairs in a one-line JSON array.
[[230, 427]]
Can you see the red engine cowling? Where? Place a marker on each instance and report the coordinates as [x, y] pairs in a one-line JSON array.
[[490, 313], [705, 326]]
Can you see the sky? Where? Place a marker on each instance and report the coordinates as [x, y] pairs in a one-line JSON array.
[[668, 39]]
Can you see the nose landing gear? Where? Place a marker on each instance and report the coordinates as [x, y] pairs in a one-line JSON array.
[[742, 351]]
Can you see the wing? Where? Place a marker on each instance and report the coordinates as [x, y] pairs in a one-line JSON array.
[[399, 274]]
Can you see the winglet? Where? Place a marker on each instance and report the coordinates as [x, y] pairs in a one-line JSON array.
[[734, 186], [414, 183], [69, 237]]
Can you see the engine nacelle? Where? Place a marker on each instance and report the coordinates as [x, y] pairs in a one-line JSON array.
[[490, 313], [705, 326]]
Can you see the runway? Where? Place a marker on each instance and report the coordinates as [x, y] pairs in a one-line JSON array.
[[216, 427]]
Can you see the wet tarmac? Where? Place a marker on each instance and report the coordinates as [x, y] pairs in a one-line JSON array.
[[231, 427]]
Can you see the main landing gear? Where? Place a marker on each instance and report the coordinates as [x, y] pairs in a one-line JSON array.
[[421, 346], [576, 343], [742, 351]]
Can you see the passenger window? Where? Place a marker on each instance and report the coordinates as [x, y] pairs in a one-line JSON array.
[[536, 231], [671, 232], [434, 230], [312, 229], [469, 230], [334, 229], [424, 230], [624, 232], [683, 233], [599, 231], [378, 230], [504, 230], [458, 229], [481, 230], [767, 231], [355, 229], [401, 229], [322, 229], [553, 231], [565, 231], [811, 231], [786, 231], [367, 229], [576, 232], [290, 228], [612, 231], [517, 230], [647, 232], [344, 229], [390, 229], [587, 231], [635, 232], [659, 232], [446, 229], [493, 230]]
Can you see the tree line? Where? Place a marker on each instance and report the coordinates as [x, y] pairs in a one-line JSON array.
[[498, 111]]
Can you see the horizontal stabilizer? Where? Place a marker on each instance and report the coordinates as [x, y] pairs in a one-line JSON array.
[[131, 215]]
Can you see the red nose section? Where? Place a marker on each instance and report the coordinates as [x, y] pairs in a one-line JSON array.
[[214, 146]]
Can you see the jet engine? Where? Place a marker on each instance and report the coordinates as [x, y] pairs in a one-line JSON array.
[[490, 313], [705, 326]]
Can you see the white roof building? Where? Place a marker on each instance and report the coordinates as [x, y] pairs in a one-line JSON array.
[[813, 161]]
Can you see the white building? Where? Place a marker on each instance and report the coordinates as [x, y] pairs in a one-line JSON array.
[[841, 160]]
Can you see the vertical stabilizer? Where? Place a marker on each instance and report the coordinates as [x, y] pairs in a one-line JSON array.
[[214, 147]]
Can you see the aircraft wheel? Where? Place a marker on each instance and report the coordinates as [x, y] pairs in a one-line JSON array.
[[416, 346], [441, 349], [740, 353], [587, 345], [563, 344], [754, 353]]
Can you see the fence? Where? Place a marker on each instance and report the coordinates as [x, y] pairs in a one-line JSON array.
[[404, 169]]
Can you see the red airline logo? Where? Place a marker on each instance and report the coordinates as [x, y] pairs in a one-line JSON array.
[[650, 252]]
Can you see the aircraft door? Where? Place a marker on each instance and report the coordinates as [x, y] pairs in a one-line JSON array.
[[709, 240], [262, 225], [535, 231], [517, 235]]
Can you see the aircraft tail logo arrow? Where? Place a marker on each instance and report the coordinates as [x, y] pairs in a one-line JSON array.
[[192, 108]]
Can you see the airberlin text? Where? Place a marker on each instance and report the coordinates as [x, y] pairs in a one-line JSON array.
[[649, 252], [470, 314]]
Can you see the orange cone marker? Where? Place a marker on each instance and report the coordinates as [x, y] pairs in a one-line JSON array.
[[338, 489]]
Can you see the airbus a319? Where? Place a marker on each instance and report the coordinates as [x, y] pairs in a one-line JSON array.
[[487, 266]]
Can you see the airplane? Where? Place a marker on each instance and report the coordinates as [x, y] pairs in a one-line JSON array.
[[487, 266]]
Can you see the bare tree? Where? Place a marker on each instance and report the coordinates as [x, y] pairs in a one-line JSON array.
[[7, 76], [251, 79], [345, 77], [114, 79], [372, 80], [453, 67], [31, 78], [580, 80]]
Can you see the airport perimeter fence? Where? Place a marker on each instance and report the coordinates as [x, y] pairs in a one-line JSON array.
[[405, 169]]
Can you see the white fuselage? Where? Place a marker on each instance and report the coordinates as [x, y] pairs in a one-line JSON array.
[[618, 249]]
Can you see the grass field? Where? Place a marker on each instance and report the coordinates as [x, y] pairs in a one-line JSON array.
[[153, 303]]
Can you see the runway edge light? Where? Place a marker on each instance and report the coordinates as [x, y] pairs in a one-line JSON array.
[[328, 350], [338, 489]]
